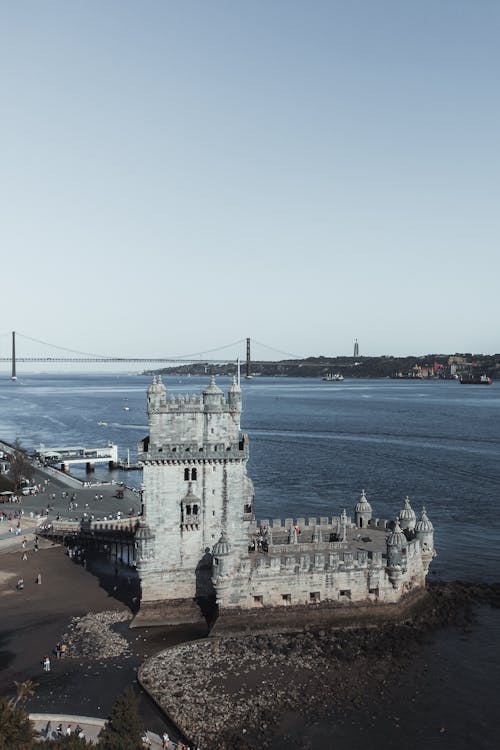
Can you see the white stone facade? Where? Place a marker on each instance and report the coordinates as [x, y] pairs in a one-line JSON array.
[[198, 537]]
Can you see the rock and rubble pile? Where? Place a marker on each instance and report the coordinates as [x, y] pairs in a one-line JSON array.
[[228, 692], [93, 637]]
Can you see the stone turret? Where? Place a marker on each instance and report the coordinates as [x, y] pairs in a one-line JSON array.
[[157, 394], [362, 512], [424, 532], [223, 568], [397, 547], [234, 397], [143, 542], [407, 517], [213, 397]]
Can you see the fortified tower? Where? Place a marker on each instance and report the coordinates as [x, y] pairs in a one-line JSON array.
[[196, 490], [200, 553]]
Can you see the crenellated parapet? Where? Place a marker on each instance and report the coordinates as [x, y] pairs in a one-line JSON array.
[[194, 452]]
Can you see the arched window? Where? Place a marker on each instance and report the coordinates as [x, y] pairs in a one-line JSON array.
[[194, 475], [186, 475]]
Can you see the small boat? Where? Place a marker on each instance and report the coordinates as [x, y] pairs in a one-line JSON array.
[[102, 424], [331, 378], [126, 407], [471, 378]]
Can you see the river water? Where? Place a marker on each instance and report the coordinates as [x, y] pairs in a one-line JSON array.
[[313, 446]]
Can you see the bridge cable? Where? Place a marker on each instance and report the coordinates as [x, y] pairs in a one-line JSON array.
[[278, 351]]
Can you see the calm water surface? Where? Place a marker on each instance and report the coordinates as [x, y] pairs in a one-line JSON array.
[[313, 447]]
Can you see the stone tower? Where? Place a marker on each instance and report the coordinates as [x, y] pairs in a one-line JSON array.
[[195, 491], [424, 532]]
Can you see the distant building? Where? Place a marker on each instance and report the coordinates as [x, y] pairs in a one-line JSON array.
[[356, 348]]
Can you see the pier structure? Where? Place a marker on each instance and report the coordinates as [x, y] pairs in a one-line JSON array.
[[69, 455], [114, 537]]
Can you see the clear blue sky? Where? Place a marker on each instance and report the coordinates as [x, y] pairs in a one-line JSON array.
[[176, 176]]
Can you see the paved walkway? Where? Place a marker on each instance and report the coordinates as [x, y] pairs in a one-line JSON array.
[[46, 724], [99, 500]]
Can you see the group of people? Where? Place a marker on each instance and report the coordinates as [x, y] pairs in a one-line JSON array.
[[20, 582], [60, 732]]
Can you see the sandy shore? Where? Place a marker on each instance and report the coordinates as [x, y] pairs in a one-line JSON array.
[[274, 691], [35, 619], [301, 691]]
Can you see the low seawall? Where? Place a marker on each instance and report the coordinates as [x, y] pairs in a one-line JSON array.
[[291, 619]]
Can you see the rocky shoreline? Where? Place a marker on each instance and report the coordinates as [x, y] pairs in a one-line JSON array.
[[234, 692], [93, 637]]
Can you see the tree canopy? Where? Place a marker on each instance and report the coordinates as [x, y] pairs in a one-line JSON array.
[[123, 730], [16, 730], [20, 466]]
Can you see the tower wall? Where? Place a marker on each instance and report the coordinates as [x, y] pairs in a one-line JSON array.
[[194, 487]]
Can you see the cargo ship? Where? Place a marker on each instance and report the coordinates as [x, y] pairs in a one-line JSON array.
[[471, 378]]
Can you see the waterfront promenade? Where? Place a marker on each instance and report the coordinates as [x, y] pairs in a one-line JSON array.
[[35, 619]]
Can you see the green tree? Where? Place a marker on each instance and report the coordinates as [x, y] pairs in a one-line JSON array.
[[20, 466], [123, 730], [25, 690], [16, 730]]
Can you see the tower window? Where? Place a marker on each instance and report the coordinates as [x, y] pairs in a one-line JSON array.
[[186, 475], [194, 474]]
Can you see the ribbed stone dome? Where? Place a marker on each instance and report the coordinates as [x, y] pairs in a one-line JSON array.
[[363, 506], [212, 388], [222, 547], [424, 524], [407, 513], [396, 538]]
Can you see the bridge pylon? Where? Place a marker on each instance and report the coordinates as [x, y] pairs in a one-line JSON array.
[[248, 369], [13, 372]]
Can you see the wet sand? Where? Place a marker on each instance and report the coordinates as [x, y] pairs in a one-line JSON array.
[[32, 621], [424, 681], [428, 687]]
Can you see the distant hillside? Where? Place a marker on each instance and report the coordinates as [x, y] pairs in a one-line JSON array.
[[430, 365]]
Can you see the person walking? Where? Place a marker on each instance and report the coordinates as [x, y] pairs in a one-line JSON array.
[[46, 664]]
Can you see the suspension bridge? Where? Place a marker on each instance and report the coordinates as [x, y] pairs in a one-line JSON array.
[[71, 356]]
